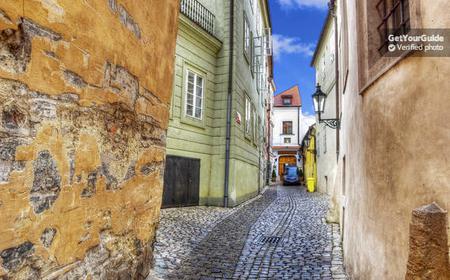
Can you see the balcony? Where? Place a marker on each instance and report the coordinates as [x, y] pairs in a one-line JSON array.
[[196, 12]]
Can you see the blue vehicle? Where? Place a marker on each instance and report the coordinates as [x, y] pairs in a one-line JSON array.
[[291, 175]]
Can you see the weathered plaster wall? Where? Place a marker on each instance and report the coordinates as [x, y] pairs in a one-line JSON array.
[[395, 141], [190, 137], [84, 93]]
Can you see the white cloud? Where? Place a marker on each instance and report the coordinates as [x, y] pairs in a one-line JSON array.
[[306, 121], [289, 4], [290, 45]]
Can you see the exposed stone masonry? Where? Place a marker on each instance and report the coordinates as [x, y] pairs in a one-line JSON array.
[[14, 258], [125, 18], [46, 182], [82, 136]]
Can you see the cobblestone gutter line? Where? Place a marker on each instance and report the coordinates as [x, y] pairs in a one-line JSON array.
[[337, 263], [303, 246], [182, 229], [217, 254], [281, 234]]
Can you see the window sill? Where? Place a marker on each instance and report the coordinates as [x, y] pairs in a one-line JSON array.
[[200, 123], [393, 62]]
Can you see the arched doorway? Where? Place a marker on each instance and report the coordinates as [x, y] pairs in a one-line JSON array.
[[283, 160]]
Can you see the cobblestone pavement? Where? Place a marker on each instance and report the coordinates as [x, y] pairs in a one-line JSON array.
[[280, 235]]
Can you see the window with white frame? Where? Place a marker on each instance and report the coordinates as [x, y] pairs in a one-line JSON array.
[[248, 116], [247, 37], [194, 95], [254, 125]]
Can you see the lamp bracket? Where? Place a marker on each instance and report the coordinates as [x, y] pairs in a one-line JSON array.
[[331, 123]]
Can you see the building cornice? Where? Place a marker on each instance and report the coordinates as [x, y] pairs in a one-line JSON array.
[[187, 25]]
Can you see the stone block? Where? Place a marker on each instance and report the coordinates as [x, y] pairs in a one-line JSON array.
[[428, 247]]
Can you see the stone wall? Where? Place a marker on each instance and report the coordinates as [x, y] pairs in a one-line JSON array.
[[84, 94]]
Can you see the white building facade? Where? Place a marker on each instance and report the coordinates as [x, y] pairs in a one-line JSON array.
[[287, 128], [326, 142]]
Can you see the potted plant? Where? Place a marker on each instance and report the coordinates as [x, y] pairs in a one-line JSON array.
[[274, 176]]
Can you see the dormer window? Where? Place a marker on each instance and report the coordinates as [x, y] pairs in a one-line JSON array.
[[287, 100]]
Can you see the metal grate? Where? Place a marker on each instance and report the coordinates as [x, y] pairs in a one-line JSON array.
[[271, 240], [196, 12], [394, 17]]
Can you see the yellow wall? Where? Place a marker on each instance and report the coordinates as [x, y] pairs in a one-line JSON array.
[[84, 94], [310, 171]]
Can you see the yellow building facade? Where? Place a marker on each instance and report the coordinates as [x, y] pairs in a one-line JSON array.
[[309, 159]]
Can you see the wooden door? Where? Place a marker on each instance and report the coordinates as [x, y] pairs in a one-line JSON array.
[[181, 182], [282, 161]]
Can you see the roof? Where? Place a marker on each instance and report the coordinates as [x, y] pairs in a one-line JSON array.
[[293, 92]]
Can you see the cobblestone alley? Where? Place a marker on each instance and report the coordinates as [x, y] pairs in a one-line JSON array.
[[281, 234]]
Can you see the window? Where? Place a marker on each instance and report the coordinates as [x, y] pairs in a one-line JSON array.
[[247, 38], [343, 51], [254, 125], [287, 100], [194, 95], [287, 127], [252, 54], [287, 140], [377, 20], [248, 109], [394, 19]]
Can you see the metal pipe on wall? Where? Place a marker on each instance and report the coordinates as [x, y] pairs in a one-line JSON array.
[[229, 108]]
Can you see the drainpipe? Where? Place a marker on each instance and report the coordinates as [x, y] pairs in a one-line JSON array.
[[259, 169], [269, 141], [332, 7], [298, 132], [298, 125], [229, 108]]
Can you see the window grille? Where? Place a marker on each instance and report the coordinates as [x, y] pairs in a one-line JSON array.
[[394, 19]]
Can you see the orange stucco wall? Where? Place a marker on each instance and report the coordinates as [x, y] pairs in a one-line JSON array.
[[84, 93]]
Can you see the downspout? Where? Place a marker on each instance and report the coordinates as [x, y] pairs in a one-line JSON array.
[[298, 133], [332, 7], [298, 125], [259, 169], [229, 108], [269, 140]]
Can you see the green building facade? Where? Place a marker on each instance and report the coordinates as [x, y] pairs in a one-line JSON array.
[[214, 94]]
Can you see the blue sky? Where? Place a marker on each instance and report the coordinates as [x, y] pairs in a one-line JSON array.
[[296, 25]]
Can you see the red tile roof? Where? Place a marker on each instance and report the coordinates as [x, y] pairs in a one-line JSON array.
[[293, 92]]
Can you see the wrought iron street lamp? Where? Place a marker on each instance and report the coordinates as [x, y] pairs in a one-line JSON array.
[[319, 98]]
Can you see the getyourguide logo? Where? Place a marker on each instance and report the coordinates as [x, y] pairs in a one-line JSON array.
[[416, 38]]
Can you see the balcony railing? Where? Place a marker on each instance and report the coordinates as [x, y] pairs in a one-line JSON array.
[[196, 12]]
